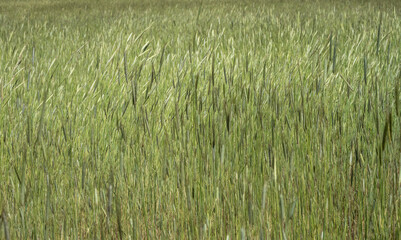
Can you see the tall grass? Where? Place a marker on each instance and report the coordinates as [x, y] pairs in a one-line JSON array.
[[205, 120]]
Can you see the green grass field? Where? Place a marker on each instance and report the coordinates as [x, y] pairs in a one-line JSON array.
[[179, 119]]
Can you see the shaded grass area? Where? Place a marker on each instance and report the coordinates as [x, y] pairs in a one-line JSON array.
[[204, 120]]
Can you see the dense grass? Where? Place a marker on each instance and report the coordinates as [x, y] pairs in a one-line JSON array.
[[200, 120]]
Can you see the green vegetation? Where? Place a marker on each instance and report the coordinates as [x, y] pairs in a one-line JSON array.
[[200, 120]]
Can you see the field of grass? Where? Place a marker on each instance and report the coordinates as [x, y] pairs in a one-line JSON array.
[[179, 119]]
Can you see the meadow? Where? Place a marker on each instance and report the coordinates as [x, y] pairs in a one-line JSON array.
[[179, 119]]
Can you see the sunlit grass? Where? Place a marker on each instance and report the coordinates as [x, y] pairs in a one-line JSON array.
[[205, 120]]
